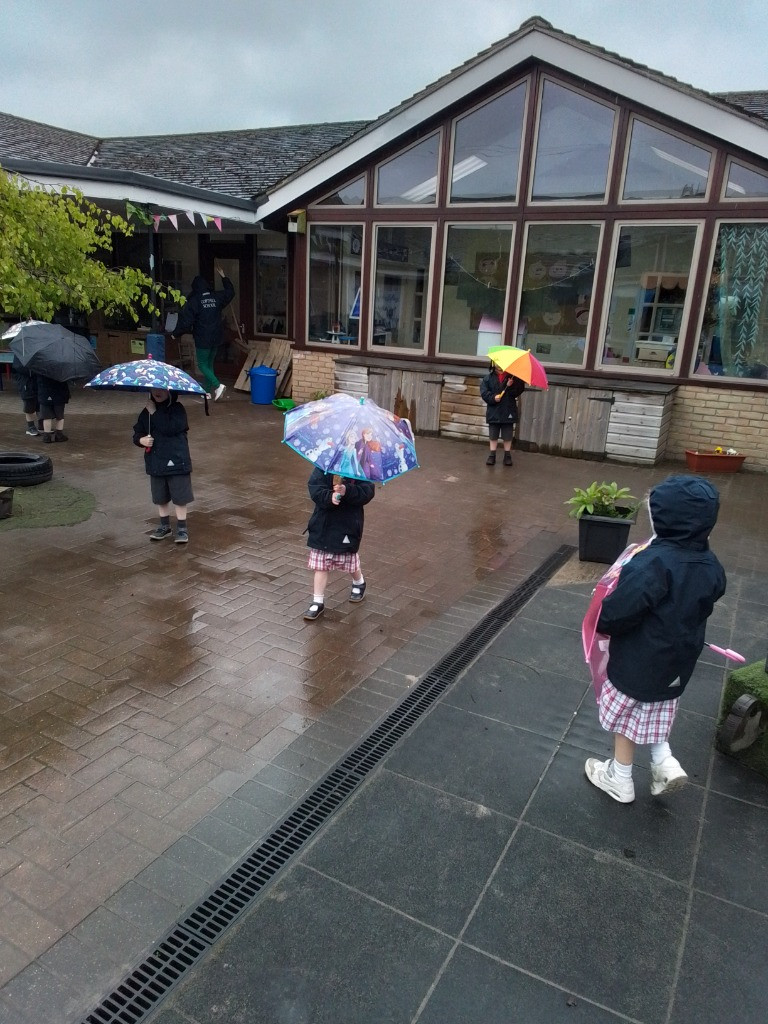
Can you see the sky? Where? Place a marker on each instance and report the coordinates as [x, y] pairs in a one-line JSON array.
[[151, 67]]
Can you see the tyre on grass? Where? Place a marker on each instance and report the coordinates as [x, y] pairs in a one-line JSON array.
[[20, 469]]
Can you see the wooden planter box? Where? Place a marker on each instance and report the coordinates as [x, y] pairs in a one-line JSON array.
[[713, 462], [603, 538]]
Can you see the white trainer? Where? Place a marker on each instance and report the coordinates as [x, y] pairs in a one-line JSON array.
[[667, 777], [600, 774], [219, 392]]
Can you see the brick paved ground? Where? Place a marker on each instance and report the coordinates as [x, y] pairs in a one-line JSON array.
[[143, 684]]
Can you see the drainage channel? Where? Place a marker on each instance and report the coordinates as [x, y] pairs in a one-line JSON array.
[[135, 998]]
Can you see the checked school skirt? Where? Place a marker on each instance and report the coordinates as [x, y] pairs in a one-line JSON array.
[[639, 721]]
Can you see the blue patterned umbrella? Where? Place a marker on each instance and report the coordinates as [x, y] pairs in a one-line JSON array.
[[353, 437], [145, 374]]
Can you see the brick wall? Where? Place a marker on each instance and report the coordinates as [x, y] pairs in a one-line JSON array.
[[708, 417], [312, 372]]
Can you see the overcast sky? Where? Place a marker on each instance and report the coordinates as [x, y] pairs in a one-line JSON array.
[[147, 67]]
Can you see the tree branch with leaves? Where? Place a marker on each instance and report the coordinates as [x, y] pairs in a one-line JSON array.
[[52, 247]]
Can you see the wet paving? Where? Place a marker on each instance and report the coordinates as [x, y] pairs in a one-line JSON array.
[[141, 684]]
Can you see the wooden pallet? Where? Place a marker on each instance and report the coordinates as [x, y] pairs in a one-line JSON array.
[[277, 356]]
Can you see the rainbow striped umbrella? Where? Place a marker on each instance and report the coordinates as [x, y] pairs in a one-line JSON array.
[[520, 363]]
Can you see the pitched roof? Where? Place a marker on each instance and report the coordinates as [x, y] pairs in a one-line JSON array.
[[236, 163], [31, 140], [755, 102], [286, 161]]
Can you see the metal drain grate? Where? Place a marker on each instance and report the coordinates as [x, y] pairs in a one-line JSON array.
[[132, 1001]]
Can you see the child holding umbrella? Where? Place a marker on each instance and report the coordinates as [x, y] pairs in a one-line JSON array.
[[161, 430], [334, 532], [499, 391]]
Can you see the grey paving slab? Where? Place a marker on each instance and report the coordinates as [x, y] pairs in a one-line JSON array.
[[199, 858], [506, 762], [731, 778], [32, 993], [518, 695], [147, 910], [585, 923], [657, 833], [722, 975], [425, 853], [221, 836], [540, 645], [474, 987], [734, 833], [314, 951], [557, 607]]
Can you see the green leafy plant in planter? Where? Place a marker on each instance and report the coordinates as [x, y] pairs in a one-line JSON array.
[[605, 512]]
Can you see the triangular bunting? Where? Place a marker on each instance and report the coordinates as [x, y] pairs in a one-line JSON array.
[[157, 218], [217, 222], [191, 216], [174, 219]]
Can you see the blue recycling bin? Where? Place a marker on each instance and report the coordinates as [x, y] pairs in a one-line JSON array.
[[155, 346], [263, 384]]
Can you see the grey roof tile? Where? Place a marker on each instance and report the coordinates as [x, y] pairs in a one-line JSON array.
[[31, 140]]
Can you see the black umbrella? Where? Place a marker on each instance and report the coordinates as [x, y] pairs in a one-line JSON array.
[[53, 351]]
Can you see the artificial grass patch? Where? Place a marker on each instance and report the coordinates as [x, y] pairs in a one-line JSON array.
[[49, 504], [753, 680]]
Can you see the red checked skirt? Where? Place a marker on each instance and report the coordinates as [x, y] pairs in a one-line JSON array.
[[639, 721], [324, 561]]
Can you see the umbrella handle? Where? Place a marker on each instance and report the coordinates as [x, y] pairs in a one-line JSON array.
[[727, 652]]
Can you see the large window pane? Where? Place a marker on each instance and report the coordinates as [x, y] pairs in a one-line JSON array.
[[652, 271], [403, 256], [410, 179], [662, 166], [474, 287], [352, 194], [734, 336], [556, 295], [744, 183], [574, 146], [486, 151], [334, 282]]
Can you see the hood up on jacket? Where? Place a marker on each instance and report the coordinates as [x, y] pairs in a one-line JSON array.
[[684, 509], [200, 285]]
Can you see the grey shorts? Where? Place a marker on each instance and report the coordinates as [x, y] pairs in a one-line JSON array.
[[504, 430], [177, 489]]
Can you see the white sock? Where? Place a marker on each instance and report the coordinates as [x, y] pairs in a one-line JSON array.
[[318, 600], [358, 582], [659, 751], [622, 771]]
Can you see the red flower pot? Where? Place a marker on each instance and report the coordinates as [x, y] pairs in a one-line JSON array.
[[713, 462]]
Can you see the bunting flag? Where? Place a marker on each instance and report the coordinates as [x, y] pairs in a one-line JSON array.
[[142, 213]]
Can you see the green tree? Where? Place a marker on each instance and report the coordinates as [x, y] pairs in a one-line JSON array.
[[52, 245]]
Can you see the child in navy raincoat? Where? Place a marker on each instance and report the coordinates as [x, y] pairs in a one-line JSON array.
[[656, 619]]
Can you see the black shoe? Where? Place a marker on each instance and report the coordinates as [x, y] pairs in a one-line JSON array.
[[358, 592], [32, 430], [182, 537], [507, 459], [160, 532], [314, 611], [47, 438], [59, 435], [491, 460]]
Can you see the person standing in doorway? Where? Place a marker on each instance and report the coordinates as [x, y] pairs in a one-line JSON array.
[[201, 315]]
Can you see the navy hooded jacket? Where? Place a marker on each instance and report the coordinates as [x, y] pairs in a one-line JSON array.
[[656, 617], [337, 529], [201, 313]]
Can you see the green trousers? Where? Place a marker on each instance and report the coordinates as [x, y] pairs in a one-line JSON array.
[[205, 364]]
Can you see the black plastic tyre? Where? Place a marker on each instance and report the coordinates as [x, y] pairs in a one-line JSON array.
[[20, 469]]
